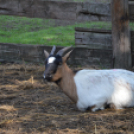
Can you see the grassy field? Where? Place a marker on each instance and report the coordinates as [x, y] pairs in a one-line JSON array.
[[22, 30]]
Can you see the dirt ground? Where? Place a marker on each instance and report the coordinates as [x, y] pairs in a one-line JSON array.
[[28, 105]]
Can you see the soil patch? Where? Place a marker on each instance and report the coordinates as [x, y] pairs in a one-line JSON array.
[[30, 105]]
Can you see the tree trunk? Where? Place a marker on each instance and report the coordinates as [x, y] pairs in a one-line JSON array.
[[121, 34]]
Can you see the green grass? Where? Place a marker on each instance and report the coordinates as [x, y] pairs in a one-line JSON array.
[[22, 30]]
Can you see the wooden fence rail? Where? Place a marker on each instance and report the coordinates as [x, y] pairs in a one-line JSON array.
[[81, 56], [98, 39], [78, 11]]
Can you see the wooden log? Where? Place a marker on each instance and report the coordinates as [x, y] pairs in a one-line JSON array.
[[85, 56], [82, 29], [121, 34], [132, 41], [93, 38], [131, 10]]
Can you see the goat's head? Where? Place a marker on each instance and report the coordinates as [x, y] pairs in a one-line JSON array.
[[54, 63]]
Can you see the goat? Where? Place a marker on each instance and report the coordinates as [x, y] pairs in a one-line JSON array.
[[90, 89]]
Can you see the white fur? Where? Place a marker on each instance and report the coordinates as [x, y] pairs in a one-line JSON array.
[[100, 87], [51, 60]]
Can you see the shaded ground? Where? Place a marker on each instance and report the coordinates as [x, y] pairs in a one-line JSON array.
[[29, 105]]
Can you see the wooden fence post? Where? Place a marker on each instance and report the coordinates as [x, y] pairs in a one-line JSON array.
[[121, 34]]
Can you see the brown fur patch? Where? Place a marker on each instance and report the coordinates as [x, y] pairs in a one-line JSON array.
[[58, 74], [66, 83]]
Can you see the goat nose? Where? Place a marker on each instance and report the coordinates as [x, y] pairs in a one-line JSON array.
[[47, 76]]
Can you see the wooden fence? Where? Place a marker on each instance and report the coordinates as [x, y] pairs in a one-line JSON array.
[[81, 56], [78, 11], [98, 40], [93, 47]]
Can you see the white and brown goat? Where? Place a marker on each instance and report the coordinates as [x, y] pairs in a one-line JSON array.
[[90, 89]]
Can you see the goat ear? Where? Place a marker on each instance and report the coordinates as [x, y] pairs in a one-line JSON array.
[[46, 53], [65, 58]]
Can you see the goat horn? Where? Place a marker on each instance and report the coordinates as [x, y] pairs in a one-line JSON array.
[[62, 51], [53, 50], [46, 53]]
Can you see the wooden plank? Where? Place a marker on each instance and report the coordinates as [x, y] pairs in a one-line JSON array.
[[133, 59], [57, 6], [79, 35], [63, 15], [82, 29], [28, 51], [84, 56], [102, 38], [96, 47], [46, 9], [9, 54], [97, 41], [131, 11], [132, 40], [96, 9], [92, 34], [5, 46], [121, 35], [78, 41], [94, 40]]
